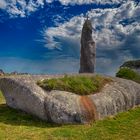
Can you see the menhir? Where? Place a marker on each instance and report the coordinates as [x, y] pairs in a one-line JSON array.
[[88, 49]]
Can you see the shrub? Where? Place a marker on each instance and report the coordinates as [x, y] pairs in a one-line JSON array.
[[82, 85], [129, 74], [132, 64]]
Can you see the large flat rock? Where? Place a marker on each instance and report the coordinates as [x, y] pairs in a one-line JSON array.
[[22, 92]]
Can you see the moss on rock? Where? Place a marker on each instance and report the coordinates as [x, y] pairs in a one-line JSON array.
[[82, 85]]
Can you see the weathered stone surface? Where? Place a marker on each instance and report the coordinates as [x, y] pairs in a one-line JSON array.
[[22, 92], [63, 107], [88, 49], [118, 96]]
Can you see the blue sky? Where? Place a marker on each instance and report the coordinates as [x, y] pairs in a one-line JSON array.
[[43, 36]]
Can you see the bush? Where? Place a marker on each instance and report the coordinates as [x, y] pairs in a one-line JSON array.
[[129, 74], [132, 64], [82, 85]]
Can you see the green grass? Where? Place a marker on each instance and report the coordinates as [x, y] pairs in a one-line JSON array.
[[128, 73], [82, 85], [16, 125]]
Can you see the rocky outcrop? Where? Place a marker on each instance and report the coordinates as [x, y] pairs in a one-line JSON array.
[[88, 50], [22, 92], [134, 65]]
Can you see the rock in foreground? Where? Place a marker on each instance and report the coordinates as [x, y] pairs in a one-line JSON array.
[[22, 92]]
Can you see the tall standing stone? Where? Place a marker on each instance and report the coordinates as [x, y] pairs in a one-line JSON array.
[[88, 49]]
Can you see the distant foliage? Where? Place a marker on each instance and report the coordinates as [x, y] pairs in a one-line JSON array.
[[132, 64], [128, 73], [82, 85]]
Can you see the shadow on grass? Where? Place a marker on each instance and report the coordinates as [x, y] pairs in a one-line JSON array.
[[18, 118]]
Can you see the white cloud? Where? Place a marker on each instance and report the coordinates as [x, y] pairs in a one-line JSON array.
[[107, 23], [20, 8], [68, 31], [2, 4], [23, 8], [67, 2], [80, 2], [115, 31], [112, 29]]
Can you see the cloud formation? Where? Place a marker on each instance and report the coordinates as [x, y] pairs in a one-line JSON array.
[[116, 30], [80, 2], [2, 4], [20, 8], [23, 8], [113, 28]]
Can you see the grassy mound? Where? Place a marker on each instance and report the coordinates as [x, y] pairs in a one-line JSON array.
[[17, 125], [82, 85], [127, 73]]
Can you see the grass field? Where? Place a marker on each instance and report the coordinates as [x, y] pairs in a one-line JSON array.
[[16, 125]]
